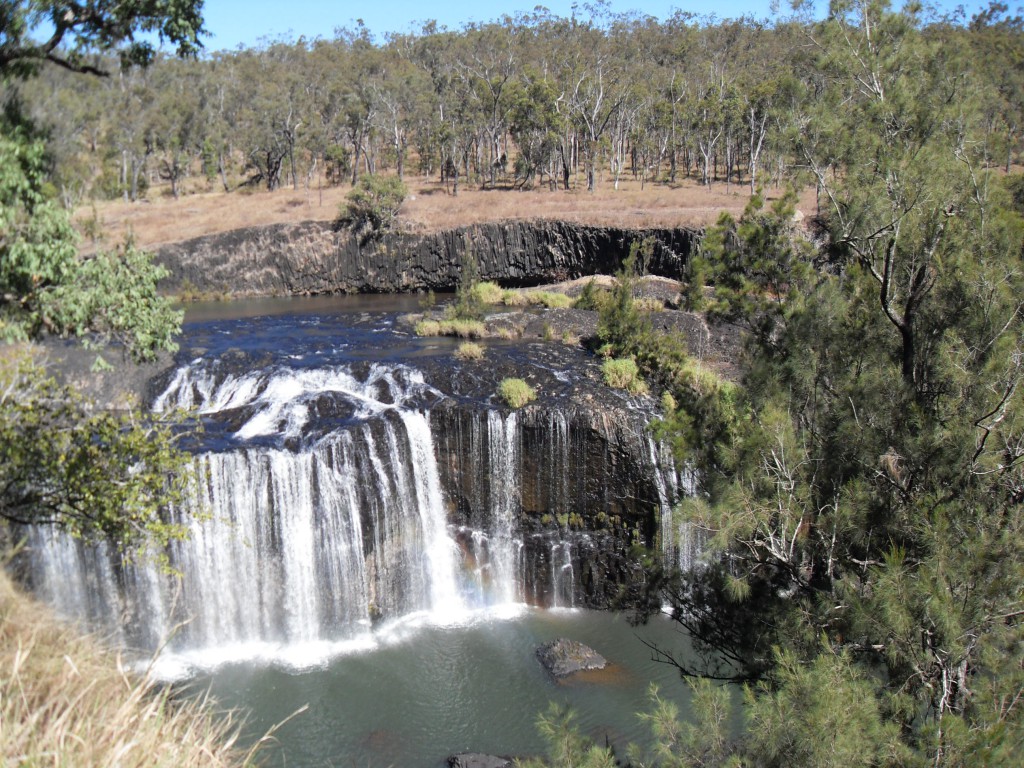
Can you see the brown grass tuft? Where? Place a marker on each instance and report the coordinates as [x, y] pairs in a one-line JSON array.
[[65, 700]]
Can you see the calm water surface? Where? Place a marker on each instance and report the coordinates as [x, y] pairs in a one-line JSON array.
[[426, 692]]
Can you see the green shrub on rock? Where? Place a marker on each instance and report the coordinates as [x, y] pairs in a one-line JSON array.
[[623, 373], [373, 202], [516, 393]]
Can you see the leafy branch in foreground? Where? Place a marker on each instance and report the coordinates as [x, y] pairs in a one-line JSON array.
[[96, 473], [75, 30], [46, 288]]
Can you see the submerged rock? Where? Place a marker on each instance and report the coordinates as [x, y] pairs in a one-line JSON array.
[[477, 760], [564, 657]]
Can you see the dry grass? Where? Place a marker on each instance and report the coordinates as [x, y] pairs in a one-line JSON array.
[[464, 329], [429, 208], [469, 351], [66, 701]]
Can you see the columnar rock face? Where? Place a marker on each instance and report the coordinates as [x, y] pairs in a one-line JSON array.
[[317, 258], [575, 489]]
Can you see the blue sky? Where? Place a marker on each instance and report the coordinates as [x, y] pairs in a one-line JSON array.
[[243, 22]]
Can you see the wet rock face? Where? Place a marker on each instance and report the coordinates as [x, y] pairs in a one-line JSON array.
[[317, 258], [577, 484]]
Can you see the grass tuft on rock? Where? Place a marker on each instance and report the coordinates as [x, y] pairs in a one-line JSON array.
[[469, 350], [623, 373], [464, 329], [516, 393], [487, 292]]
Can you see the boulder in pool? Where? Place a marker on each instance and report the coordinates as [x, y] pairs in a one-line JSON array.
[[564, 657], [477, 760]]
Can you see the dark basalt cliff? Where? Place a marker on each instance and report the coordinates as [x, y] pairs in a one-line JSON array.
[[318, 258], [581, 481]]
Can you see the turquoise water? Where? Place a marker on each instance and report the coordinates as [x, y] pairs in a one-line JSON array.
[[421, 693]]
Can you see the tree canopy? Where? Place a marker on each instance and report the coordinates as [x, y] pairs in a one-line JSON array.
[[863, 508], [98, 474], [527, 100], [74, 32]]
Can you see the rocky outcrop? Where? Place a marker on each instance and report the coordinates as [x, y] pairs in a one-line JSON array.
[[319, 258], [564, 657]]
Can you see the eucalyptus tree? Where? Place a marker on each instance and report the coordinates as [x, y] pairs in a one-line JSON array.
[[595, 87], [267, 93], [134, 139], [357, 85], [490, 60], [536, 128], [177, 120], [403, 95], [450, 133]]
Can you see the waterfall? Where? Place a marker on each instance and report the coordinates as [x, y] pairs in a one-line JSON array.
[[680, 543], [318, 511], [285, 545], [504, 546], [563, 576]]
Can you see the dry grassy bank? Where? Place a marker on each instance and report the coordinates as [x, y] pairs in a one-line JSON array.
[[161, 219], [65, 700]]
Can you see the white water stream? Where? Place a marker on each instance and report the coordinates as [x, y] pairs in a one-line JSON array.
[[300, 552]]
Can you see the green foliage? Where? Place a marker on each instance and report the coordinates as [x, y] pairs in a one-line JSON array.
[[373, 203], [81, 29], [566, 746], [756, 265], [864, 507], [707, 411], [98, 474], [824, 714], [45, 287], [37, 249], [703, 741], [516, 393], [621, 324], [591, 297], [487, 292], [623, 373], [470, 304], [114, 298]]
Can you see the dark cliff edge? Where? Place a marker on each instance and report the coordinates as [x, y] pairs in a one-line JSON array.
[[317, 258]]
